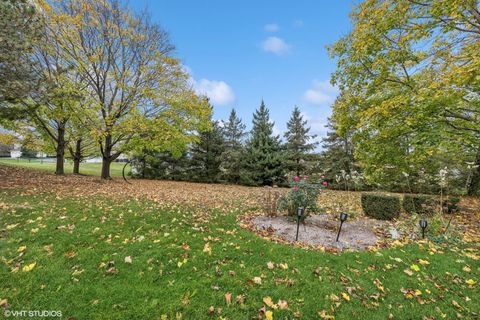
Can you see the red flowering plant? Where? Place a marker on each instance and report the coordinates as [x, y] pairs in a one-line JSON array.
[[303, 193]]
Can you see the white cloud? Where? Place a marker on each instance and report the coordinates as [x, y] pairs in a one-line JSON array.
[[271, 27], [317, 124], [275, 45], [321, 93], [219, 92]]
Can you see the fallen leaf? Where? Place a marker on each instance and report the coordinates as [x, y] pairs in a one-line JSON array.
[[22, 248], [323, 314], [269, 315], [228, 298], [408, 271], [282, 304], [268, 301], [29, 267], [270, 265], [207, 248], [345, 296], [334, 297], [211, 310], [128, 259], [424, 262], [456, 304], [415, 267], [70, 254], [379, 285], [283, 266], [257, 280], [470, 282]]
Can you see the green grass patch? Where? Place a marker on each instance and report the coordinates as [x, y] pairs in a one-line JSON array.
[[92, 169], [184, 260]]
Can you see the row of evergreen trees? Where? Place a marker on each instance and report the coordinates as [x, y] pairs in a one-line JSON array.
[[227, 153]]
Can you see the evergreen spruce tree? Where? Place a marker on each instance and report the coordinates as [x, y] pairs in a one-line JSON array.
[[264, 159], [161, 165], [298, 145], [205, 156], [337, 155], [233, 134]]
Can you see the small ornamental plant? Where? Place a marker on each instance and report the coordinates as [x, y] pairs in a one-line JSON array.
[[303, 193]]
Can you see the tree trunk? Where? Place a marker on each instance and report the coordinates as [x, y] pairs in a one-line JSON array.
[[77, 157], [60, 151], [474, 187], [106, 168], [107, 157]]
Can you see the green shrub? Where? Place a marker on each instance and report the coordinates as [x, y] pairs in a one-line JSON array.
[[450, 205], [420, 204], [303, 193], [381, 206]]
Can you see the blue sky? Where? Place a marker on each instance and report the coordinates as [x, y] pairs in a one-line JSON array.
[[239, 52]]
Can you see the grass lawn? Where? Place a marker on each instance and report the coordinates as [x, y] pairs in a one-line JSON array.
[[92, 169], [94, 257]]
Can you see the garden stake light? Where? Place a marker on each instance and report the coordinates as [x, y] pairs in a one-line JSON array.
[[300, 212], [343, 218], [423, 225]]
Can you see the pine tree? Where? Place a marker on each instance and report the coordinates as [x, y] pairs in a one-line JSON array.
[[337, 155], [206, 156], [233, 134], [161, 165], [298, 143], [264, 159]]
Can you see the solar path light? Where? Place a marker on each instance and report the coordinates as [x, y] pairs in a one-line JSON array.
[[300, 212], [423, 224], [343, 218]]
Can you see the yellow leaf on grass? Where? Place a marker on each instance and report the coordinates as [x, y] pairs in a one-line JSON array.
[[415, 267], [29, 267], [283, 266], [345, 296], [269, 315], [425, 262], [22, 248], [323, 314], [470, 282], [268, 301], [418, 292]]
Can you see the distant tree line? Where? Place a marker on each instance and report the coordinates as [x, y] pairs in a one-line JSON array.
[[227, 153]]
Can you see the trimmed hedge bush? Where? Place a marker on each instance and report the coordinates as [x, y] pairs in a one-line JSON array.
[[381, 206], [420, 204], [429, 205]]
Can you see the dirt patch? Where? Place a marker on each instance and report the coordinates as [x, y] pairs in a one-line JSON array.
[[321, 230]]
